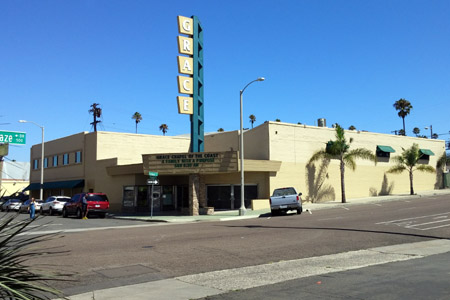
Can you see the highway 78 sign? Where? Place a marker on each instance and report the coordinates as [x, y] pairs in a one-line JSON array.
[[12, 137]]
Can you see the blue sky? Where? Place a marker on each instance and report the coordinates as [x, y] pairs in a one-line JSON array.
[[343, 60]]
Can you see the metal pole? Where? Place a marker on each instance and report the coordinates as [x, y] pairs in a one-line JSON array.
[[151, 208], [42, 166], [241, 150]]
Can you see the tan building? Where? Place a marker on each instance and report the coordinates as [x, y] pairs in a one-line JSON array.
[[276, 155]]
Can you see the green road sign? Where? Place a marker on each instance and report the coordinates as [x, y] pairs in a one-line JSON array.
[[13, 137], [153, 174]]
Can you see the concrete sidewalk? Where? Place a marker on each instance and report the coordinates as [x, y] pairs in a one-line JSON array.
[[230, 215]]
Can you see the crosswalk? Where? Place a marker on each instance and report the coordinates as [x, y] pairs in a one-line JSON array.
[[426, 222]]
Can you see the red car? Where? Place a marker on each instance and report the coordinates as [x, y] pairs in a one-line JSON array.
[[98, 204]]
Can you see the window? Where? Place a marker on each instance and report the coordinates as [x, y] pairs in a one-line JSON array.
[[78, 157], [55, 160], [35, 164], [66, 159], [45, 162], [384, 151]]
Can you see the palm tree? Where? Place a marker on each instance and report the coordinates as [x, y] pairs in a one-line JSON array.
[[416, 131], [220, 130], [164, 128], [138, 118], [404, 108], [408, 161], [340, 149], [352, 127], [252, 119]]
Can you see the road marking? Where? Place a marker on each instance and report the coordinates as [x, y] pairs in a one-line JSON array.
[[422, 222]]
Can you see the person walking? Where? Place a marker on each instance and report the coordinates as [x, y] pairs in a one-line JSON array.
[[84, 207], [32, 208]]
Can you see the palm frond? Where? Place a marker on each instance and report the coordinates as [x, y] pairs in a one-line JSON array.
[[425, 168], [319, 155], [397, 169]]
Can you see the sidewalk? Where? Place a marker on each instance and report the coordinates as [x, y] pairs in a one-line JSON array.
[[230, 215]]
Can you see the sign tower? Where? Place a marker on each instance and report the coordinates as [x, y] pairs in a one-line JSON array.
[[191, 64]]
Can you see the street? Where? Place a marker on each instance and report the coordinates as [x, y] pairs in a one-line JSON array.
[[143, 252]]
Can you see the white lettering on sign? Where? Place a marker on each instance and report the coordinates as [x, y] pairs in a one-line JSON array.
[[186, 46], [187, 25], [187, 65], [186, 85], [185, 105]]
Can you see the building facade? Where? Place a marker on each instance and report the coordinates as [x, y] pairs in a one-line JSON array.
[[276, 155]]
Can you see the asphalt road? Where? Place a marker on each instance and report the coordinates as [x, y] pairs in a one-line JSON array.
[[118, 256]]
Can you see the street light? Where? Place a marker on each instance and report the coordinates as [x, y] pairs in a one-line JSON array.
[[42, 157], [241, 150], [431, 130]]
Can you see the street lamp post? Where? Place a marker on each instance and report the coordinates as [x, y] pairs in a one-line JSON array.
[[431, 130], [41, 194], [241, 148]]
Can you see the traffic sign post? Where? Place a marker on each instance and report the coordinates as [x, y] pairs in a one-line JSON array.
[[152, 181], [13, 137]]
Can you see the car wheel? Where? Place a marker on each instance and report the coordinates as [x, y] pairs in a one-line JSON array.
[[299, 211], [79, 214], [102, 215], [50, 211], [274, 212], [64, 213]]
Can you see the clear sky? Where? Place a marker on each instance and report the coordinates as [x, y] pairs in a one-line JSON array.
[[344, 60]]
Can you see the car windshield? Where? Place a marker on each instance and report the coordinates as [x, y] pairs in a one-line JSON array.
[[284, 192], [96, 197]]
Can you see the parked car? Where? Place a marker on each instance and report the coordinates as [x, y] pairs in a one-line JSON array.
[[284, 199], [26, 204], [11, 204], [98, 204], [54, 204]]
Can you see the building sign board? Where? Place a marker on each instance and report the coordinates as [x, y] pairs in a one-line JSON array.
[[13, 137], [191, 162], [185, 105]]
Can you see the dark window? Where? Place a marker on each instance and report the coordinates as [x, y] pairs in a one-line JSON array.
[[35, 164], [91, 197], [55, 160], [45, 162], [78, 157], [66, 159]]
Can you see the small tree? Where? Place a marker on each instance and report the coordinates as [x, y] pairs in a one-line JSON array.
[[277, 120], [138, 118], [416, 131], [164, 128], [352, 127], [252, 119], [340, 149], [220, 130], [408, 161]]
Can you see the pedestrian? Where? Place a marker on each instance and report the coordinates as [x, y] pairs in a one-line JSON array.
[[32, 208], [84, 205]]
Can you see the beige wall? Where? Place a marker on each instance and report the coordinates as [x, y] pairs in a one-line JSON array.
[[295, 144]]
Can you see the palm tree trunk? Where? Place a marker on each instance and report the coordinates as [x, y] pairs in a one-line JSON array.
[[411, 182], [404, 130], [344, 200]]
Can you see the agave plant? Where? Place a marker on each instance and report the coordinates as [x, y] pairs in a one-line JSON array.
[[17, 279]]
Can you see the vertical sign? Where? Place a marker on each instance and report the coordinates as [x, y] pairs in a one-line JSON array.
[[190, 64]]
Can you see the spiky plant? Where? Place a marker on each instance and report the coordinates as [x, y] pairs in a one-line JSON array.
[[409, 161], [18, 280]]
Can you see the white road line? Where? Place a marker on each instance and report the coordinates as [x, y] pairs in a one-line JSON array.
[[422, 224], [435, 227], [414, 218]]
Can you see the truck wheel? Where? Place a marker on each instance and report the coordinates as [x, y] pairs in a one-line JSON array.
[[299, 211], [274, 212]]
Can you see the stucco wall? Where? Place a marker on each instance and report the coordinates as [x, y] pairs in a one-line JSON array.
[[295, 144]]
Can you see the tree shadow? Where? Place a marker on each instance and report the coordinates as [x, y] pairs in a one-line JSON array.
[[318, 191], [386, 188]]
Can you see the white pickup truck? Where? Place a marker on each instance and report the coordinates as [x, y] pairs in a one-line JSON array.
[[284, 199]]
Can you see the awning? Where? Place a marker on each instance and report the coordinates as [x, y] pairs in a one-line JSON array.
[[32, 186], [426, 152], [67, 184], [387, 149]]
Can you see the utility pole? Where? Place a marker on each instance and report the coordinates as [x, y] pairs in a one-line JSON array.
[[97, 112]]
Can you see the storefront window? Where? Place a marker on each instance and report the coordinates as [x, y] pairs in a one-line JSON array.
[[128, 196]]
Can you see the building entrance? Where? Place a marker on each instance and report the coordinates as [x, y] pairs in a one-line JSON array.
[[229, 196]]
